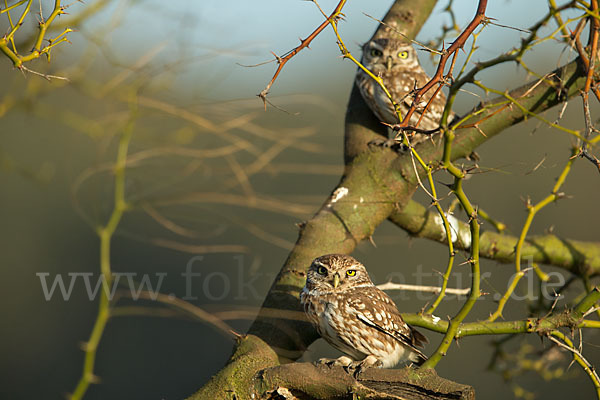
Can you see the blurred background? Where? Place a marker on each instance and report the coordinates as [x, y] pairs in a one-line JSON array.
[[217, 185]]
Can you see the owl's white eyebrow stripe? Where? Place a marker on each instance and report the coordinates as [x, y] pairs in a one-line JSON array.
[[376, 45]]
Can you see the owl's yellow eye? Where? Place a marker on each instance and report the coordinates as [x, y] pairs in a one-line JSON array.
[[403, 54], [351, 272], [376, 53], [322, 270]]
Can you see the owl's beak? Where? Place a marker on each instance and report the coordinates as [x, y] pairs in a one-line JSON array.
[[336, 280], [389, 63]]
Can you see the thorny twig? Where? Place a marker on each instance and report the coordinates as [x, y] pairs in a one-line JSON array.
[[439, 78], [590, 84], [8, 44], [567, 344], [304, 43]]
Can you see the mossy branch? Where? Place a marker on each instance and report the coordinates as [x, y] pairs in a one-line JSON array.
[[578, 257]]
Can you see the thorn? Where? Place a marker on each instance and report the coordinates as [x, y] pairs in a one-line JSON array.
[[237, 335], [372, 241], [279, 59], [301, 225], [263, 97], [480, 131], [302, 41]]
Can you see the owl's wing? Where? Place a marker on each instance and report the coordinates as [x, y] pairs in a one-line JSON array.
[[375, 309]]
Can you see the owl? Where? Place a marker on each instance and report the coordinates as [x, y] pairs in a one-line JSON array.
[[396, 62], [356, 317]]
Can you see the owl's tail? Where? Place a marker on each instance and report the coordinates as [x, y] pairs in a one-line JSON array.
[[417, 357], [418, 339]]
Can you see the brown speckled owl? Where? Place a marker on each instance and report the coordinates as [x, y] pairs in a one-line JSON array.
[[356, 317], [396, 62]]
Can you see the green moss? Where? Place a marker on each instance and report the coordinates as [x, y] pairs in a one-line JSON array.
[[236, 379]]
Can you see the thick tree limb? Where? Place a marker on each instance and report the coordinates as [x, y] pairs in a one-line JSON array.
[[578, 257], [306, 380]]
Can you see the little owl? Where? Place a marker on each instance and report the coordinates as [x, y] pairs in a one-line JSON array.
[[356, 317], [396, 62]]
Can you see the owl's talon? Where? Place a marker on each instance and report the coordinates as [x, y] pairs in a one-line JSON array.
[[359, 366], [367, 362], [342, 361]]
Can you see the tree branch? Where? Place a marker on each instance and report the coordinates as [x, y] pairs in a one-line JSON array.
[[578, 257], [306, 380], [572, 319]]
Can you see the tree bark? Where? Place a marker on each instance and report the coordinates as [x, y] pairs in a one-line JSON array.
[[322, 382], [578, 257]]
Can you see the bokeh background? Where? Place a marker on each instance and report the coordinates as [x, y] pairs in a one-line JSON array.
[[232, 214]]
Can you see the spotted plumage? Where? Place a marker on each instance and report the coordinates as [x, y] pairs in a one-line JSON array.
[[396, 62], [356, 317]]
